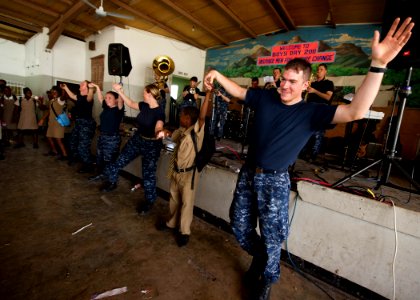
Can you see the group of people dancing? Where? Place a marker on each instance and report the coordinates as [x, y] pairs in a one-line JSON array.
[[283, 123]]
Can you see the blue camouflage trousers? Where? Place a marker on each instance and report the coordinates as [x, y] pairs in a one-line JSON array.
[[219, 120], [150, 152], [107, 149], [81, 140], [263, 198], [318, 137]]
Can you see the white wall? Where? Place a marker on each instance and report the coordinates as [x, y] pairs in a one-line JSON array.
[[38, 68], [144, 47], [69, 60], [12, 58]]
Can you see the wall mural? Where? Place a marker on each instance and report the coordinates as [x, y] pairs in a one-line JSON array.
[[350, 44]]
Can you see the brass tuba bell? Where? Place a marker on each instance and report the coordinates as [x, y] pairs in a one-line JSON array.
[[163, 66]]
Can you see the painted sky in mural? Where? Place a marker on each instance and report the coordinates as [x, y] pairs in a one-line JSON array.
[[346, 40]]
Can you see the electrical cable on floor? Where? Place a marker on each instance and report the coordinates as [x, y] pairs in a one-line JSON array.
[[296, 268], [232, 150], [312, 181]]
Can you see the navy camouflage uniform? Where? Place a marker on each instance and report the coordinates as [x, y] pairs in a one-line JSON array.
[[109, 140], [220, 115], [263, 196], [108, 148], [262, 191], [83, 131], [143, 143], [150, 151]]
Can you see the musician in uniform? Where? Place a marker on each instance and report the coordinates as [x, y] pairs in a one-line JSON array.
[[319, 91], [221, 105], [163, 89], [191, 93]]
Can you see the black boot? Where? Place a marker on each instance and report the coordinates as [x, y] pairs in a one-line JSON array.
[[264, 291], [86, 168], [96, 177], [143, 207], [252, 276], [108, 186]]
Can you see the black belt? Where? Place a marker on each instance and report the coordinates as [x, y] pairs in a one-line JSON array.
[[184, 170], [268, 171], [110, 134]]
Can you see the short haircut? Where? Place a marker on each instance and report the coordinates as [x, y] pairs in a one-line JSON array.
[[57, 89], [323, 65], [113, 94], [254, 79], [300, 64], [194, 78], [26, 89], [192, 112]]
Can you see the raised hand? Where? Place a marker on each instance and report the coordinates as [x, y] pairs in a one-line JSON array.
[[117, 87], [385, 51]]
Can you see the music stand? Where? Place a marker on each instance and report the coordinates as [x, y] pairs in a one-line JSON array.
[[389, 157]]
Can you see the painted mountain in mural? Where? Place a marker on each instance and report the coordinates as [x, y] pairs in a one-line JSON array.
[[249, 60], [260, 52], [350, 55]]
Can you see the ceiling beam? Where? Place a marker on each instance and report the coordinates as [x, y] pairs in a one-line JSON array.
[[54, 35], [38, 8], [20, 24], [17, 37], [281, 14], [157, 23], [81, 26], [112, 21], [74, 35], [204, 27], [24, 18], [20, 31], [57, 28], [9, 38], [228, 11], [68, 2]]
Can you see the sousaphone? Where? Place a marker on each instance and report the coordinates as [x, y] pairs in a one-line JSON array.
[[163, 66]]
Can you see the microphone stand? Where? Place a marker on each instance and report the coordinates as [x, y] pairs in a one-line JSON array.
[[389, 157]]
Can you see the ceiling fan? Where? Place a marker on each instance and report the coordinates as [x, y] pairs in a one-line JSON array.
[[102, 13]]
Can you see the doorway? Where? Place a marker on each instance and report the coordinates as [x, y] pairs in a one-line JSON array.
[[177, 86]]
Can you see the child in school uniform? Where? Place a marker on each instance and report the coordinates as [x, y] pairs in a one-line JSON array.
[[28, 123], [184, 179]]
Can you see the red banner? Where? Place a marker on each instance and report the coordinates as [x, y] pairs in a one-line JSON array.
[[282, 54]]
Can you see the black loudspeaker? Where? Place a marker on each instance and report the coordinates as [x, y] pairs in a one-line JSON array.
[[410, 54], [119, 62]]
